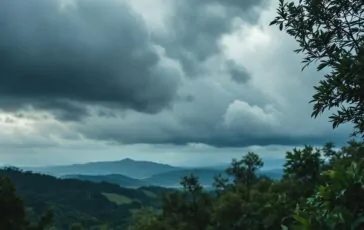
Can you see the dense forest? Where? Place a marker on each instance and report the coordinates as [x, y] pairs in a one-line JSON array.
[[93, 201], [321, 188], [77, 201]]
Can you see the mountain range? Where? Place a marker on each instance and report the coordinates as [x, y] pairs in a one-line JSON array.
[[103, 192], [132, 173], [126, 167]]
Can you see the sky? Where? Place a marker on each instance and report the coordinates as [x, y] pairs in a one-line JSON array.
[[179, 82]]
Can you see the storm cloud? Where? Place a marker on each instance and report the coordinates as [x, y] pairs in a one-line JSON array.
[[124, 73], [65, 57], [196, 27]]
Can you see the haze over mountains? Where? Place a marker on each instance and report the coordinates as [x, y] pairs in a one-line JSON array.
[[132, 173], [126, 167]]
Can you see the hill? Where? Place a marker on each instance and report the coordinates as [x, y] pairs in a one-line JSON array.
[[92, 204], [206, 176], [172, 179], [168, 179], [275, 174], [118, 179], [269, 164], [126, 167]]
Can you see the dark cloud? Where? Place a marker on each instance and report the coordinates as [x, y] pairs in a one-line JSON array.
[[94, 59], [196, 27], [98, 52], [238, 73], [213, 135]]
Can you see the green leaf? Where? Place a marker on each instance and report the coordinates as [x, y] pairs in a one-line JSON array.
[[357, 223], [301, 220], [329, 173], [273, 22]]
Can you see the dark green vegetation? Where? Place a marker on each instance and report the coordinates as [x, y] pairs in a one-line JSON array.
[[118, 179], [13, 213], [320, 189], [330, 32], [92, 204]]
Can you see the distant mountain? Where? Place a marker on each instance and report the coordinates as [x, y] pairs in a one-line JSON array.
[[118, 179], [269, 164], [168, 179], [131, 173], [275, 174], [273, 163], [206, 176], [126, 167], [172, 179]]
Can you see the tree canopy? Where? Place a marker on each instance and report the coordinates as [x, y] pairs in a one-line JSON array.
[[331, 32], [12, 210], [316, 192]]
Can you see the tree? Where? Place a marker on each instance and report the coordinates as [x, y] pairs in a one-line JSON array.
[[147, 219], [303, 167], [313, 194], [228, 210], [303, 164], [12, 210], [245, 171], [198, 203], [331, 32], [337, 204]]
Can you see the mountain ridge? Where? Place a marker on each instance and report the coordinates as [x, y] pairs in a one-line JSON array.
[[126, 167], [132, 173], [118, 179], [168, 179]]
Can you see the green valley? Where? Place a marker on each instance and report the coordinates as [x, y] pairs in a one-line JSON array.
[[78, 201]]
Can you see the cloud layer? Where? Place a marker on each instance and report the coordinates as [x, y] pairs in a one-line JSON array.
[[65, 58], [169, 73]]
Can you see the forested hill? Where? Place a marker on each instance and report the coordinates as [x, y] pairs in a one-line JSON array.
[[168, 179], [318, 187], [92, 204], [118, 179]]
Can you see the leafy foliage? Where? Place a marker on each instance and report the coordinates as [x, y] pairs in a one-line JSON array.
[[331, 32], [321, 189], [12, 211]]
